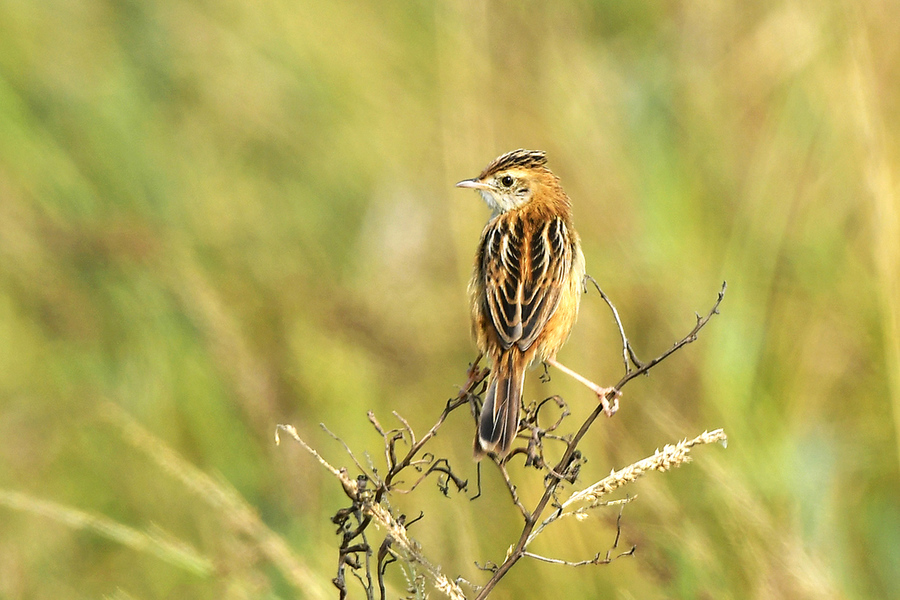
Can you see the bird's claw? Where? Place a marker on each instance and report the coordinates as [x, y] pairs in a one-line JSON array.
[[609, 407]]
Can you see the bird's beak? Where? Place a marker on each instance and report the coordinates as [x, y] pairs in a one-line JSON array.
[[473, 184]]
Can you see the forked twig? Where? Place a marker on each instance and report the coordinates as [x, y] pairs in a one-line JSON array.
[[626, 347], [368, 492], [367, 501], [560, 472]]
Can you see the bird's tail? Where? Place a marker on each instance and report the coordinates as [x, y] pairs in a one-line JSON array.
[[499, 420]]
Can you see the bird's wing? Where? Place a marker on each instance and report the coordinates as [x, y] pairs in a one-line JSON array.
[[524, 264]]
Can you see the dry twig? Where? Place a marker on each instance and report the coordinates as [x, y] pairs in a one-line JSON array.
[[570, 460], [368, 492]]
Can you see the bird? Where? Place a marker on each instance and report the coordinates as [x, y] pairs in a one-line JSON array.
[[525, 288]]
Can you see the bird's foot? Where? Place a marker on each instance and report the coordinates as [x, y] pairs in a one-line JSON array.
[[609, 398]]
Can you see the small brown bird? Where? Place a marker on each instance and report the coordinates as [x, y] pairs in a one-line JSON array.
[[525, 288]]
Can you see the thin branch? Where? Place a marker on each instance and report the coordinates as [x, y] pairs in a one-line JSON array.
[[513, 493], [371, 508], [580, 513], [625, 345], [347, 448], [440, 465], [388, 447], [662, 460], [556, 474], [368, 503], [409, 430], [597, 560], [368, 492], [689, 338], [292, 431], [475, 377]]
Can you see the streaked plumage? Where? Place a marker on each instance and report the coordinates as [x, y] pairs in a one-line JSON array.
[[526, 285]]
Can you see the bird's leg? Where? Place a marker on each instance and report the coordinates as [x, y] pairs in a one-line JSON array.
[[608, 396], [545, 376]]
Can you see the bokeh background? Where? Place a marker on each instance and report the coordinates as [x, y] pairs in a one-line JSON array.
[[219, 216]]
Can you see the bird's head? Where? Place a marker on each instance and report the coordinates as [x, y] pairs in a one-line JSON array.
[[511, 180]]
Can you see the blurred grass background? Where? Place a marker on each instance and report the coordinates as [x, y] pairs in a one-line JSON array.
[[221, 216]]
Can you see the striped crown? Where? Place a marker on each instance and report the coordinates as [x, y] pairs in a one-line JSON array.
[[520, 159]]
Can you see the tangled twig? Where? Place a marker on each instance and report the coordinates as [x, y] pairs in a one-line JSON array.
[[369, 490]]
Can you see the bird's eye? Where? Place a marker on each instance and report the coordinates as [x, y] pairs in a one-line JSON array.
[[506, 180]]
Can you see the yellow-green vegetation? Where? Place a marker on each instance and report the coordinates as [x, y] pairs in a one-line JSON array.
[[220, 216]]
